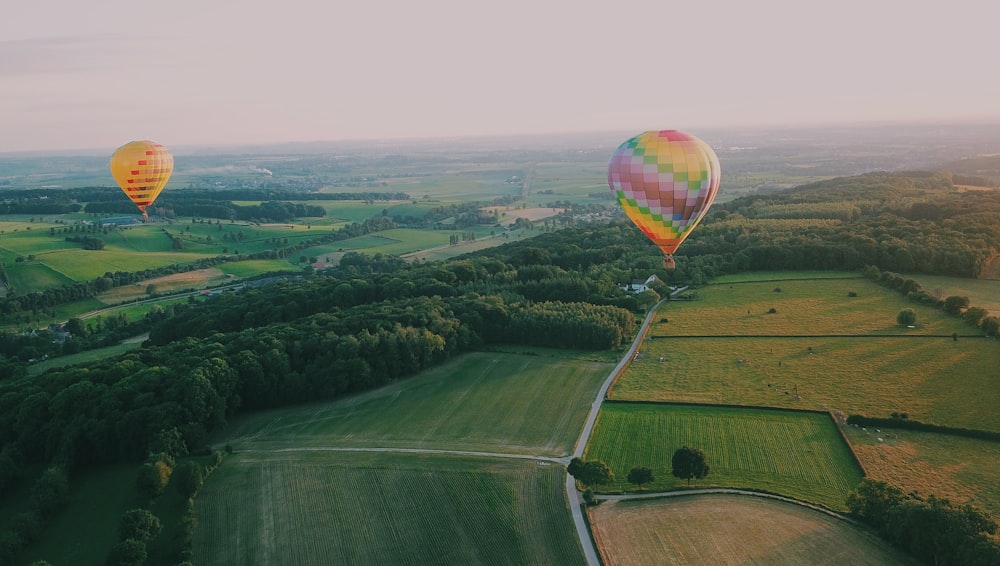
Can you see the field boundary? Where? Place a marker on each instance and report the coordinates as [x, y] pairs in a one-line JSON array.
[[836, 422], [728, 491], [787, 336], [720, 406]]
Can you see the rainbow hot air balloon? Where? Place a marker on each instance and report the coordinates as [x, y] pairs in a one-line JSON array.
[[142, 169], [665, 181]]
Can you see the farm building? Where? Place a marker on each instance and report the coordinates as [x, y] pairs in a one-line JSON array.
[[639, 285]]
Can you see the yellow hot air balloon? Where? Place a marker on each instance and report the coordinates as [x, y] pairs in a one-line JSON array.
[[142, 169]]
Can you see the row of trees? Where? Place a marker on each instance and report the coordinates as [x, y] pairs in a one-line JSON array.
[[954, 305], [903, 222], [687, 463], [268, 211]]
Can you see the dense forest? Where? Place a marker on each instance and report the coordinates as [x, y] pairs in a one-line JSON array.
[[904, 222], [374, 319]]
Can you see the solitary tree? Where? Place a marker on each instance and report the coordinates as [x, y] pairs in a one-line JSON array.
[[991, 326], [640, 475], [972, 315], [906, 317], [689, 463], [594, 472]]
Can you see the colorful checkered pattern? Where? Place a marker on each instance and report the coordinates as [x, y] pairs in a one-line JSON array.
[[142, 169], [664, 181]]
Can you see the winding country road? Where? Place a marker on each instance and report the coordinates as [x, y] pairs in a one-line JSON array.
[[572, 494]]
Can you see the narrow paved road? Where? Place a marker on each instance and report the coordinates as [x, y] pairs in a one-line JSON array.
[[572, 495]]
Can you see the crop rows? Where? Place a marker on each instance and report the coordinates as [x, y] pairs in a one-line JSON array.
[[796, 454], [313, 509], [541, 403]]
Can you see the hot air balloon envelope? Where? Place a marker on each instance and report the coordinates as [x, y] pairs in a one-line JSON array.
[[665, 181], [142, 169]]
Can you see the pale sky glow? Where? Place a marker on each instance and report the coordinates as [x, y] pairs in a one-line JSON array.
[[92, 75]]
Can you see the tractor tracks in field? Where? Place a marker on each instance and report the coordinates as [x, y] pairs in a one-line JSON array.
[[563, 461]]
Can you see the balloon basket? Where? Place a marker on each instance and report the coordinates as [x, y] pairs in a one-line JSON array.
[[668, 262]]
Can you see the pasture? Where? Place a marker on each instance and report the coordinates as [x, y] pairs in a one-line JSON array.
[[934, 379], [821, 350], [313, 507], [963, 470], [982, 293], [802, 308], [731, 530], [795, 454]]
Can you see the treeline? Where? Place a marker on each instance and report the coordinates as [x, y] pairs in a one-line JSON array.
[[268, 211], [907, 424], [932, 530], [105, 194], [903, 222], [89, 242], [956, 305], [38, 205]]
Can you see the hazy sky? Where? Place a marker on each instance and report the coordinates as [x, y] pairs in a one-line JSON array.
[[77, 74]]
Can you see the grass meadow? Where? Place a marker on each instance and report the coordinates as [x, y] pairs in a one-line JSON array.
[[87, 529], [26, 277], [315, 507], [821, 350], [835, 353], [315, 489], [982, 293], [509, 403], [795, 454], [935, 380], [963, 470], [802, 308]]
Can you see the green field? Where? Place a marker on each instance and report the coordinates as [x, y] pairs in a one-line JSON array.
[[509, 403], [252, 267], [795, 454], [982, 293], [83, 357], [312, 507], [85, 532], [820, 350], [30, 276], [313, 473], [803, 307], [867, 375]]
